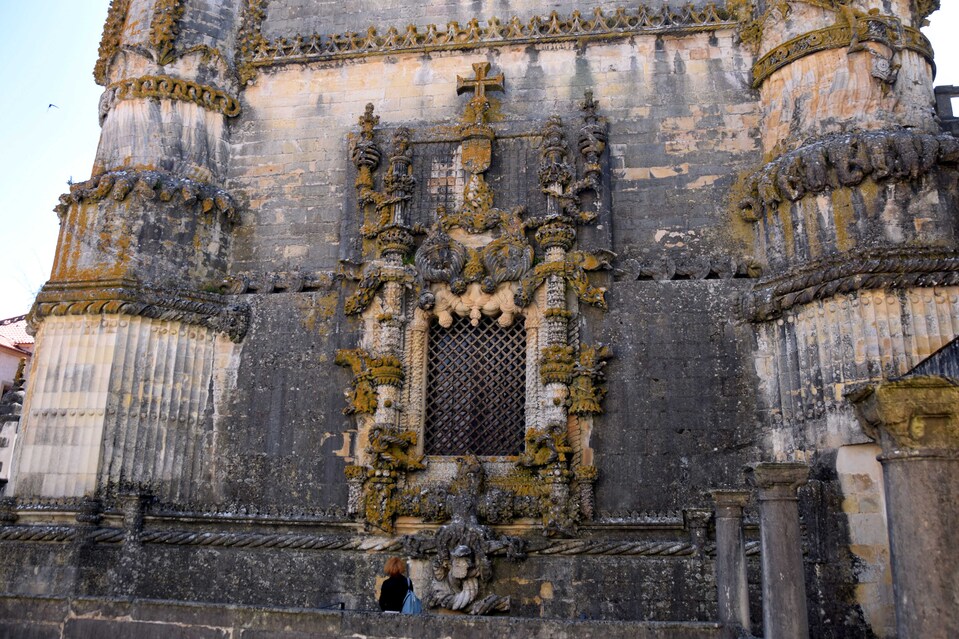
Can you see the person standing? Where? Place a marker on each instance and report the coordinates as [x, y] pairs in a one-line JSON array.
[[393, 591]]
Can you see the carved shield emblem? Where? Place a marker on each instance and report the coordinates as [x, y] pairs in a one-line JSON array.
[[477, 153]]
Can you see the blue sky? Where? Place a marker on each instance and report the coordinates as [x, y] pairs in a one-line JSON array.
[[49, 48]]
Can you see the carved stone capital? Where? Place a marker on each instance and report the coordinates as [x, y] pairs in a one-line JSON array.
[[913, 413], [730, 503], [778, 481]]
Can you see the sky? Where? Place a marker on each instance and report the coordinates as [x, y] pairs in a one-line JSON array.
[[49, 130]]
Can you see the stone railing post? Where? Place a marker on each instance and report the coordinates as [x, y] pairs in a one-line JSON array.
[[916, 421], [732, 588], [784, 584]]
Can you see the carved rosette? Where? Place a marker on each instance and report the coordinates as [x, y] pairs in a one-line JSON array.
[[474, 261]]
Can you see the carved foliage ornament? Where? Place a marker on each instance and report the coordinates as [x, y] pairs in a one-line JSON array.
[[150, 185], [165, 27], [110, 41], [844, 160]]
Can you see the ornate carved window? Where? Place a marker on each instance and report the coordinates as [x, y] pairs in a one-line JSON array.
[[467, 312], [475, 388]]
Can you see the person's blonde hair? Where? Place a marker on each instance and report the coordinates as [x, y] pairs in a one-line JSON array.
[[395, 566]]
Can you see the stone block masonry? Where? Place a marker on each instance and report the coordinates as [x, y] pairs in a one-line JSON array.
[[712, 221]]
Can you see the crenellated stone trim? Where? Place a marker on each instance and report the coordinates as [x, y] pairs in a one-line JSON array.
[[250, 38], [667, 267], [838, 275], [167, 87], [150, 185], [883, 29], [126, 297], [110, 41], [165, 27], [257, 51], [843, 160]]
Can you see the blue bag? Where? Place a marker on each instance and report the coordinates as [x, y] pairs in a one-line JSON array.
[[411, 604]]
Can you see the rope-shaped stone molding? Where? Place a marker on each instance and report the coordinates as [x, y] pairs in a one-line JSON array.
[[106, 535], [171, 88], [38, 533], [847, 275], [552, 28], [565, 547], [255, 540], [883, 29], [600, 547]]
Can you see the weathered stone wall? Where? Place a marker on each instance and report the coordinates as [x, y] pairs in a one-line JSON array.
[[80, 618], [760, 270], [289, 17], [541, 586]]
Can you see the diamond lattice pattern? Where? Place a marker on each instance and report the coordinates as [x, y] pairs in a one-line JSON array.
[[476, 388]]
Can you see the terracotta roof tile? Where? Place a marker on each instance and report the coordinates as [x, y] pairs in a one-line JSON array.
[[14, 329]]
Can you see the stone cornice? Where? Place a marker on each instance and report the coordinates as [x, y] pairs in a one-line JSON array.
[[111, 39], [167, 87], [256, 51], [843, 160], [912, 413], [883, 29], [126, 297], [150, 185], [842, 274]]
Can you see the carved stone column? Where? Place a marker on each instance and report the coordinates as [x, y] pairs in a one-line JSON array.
[[731, 585], [135, 289], [784, 587], [916, 421]]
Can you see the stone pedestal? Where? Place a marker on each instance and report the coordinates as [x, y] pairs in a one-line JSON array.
[[784, 585], [916, 421], [731, 585]]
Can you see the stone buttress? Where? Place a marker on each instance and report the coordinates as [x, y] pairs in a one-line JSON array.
[[130, 334], [854, 219]]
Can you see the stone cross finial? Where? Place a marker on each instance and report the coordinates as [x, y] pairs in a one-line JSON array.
[[480, 83]]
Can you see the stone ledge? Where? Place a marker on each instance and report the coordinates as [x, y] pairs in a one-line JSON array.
[[28, 616]]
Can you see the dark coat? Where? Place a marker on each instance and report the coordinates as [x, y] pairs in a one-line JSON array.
[[394, 592]]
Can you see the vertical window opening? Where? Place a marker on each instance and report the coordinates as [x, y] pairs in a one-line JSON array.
[[476, 388]]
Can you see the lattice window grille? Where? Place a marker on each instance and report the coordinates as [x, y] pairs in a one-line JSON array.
[[475, 388]]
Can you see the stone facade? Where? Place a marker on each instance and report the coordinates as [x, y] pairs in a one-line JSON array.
[[711, 223]]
